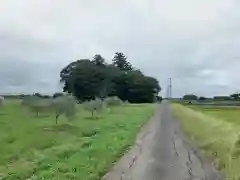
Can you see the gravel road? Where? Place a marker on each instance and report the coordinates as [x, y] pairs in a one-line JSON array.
[[162, 152]]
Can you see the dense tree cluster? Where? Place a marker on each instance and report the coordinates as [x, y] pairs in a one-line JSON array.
[[87, 79], [221, 98], [202, 98], [190, 97], [235, 96]]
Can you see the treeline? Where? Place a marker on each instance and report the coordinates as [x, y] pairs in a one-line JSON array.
[[43, 96], [235, 97], [87, 79]]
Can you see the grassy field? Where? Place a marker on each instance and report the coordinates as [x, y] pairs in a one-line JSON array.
[[228, 114], [208, 102], [84, 149], [216, 131]]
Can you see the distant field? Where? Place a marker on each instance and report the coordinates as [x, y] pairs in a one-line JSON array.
[[209, 102], [227, 113], [216, 130], [84, 149]]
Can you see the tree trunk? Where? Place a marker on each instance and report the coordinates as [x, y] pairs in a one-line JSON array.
[[57, 116]]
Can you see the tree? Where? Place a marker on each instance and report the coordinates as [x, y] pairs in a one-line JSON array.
[[136, 87], [96, 105], [221, 98], [98, 60], [120, 61], [83, 79], [1, 100], [64, 105], [190, 97], [108, 87], [159, 98], [58, 94], [46, 96], [201, 98], [66, 73], [37, 94], [235, 96], [113, 101], [88, 80], [143, 89]]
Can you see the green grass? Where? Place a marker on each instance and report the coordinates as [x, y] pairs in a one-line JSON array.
[[83, 149], [216, 131]]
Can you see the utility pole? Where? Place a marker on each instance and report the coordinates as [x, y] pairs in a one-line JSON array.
[[167, 93], [170, 87]]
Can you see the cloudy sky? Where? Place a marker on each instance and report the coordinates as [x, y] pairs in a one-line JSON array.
[[197, 43]]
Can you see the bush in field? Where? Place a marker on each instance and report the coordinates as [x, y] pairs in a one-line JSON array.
[[1, 100], [58, 94], [113, 101], [60, 105], [29, 100], [94, 106], [37, 104], [64, 105]]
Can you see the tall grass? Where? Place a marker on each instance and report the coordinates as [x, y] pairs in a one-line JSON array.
[[217, 138]]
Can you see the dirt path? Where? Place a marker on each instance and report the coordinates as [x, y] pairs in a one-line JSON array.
[[161, 152]]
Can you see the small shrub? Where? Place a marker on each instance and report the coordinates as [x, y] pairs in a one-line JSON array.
[[29, 100], [36, 104], [96, 105], [1, 100], [64, 105], [59, 105], [113, 101]]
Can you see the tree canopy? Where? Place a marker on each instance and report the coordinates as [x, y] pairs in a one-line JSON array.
[[120, 61], [190, 97], [202, 98], [235, 96], [87, 79], [99, 60], [222, 98]]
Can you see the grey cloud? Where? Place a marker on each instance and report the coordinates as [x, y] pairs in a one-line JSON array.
[[194, 42], [28, 77]]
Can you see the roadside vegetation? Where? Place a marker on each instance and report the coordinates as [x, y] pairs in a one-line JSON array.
[[84, 148], [216, 130], [79, 133]]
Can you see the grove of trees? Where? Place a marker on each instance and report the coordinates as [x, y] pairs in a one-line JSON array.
[[190, 97], [89, 79], [221, 98], [234, 96]]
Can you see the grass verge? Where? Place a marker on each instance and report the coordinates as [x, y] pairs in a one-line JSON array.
[[83, 149], [218, 138]]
